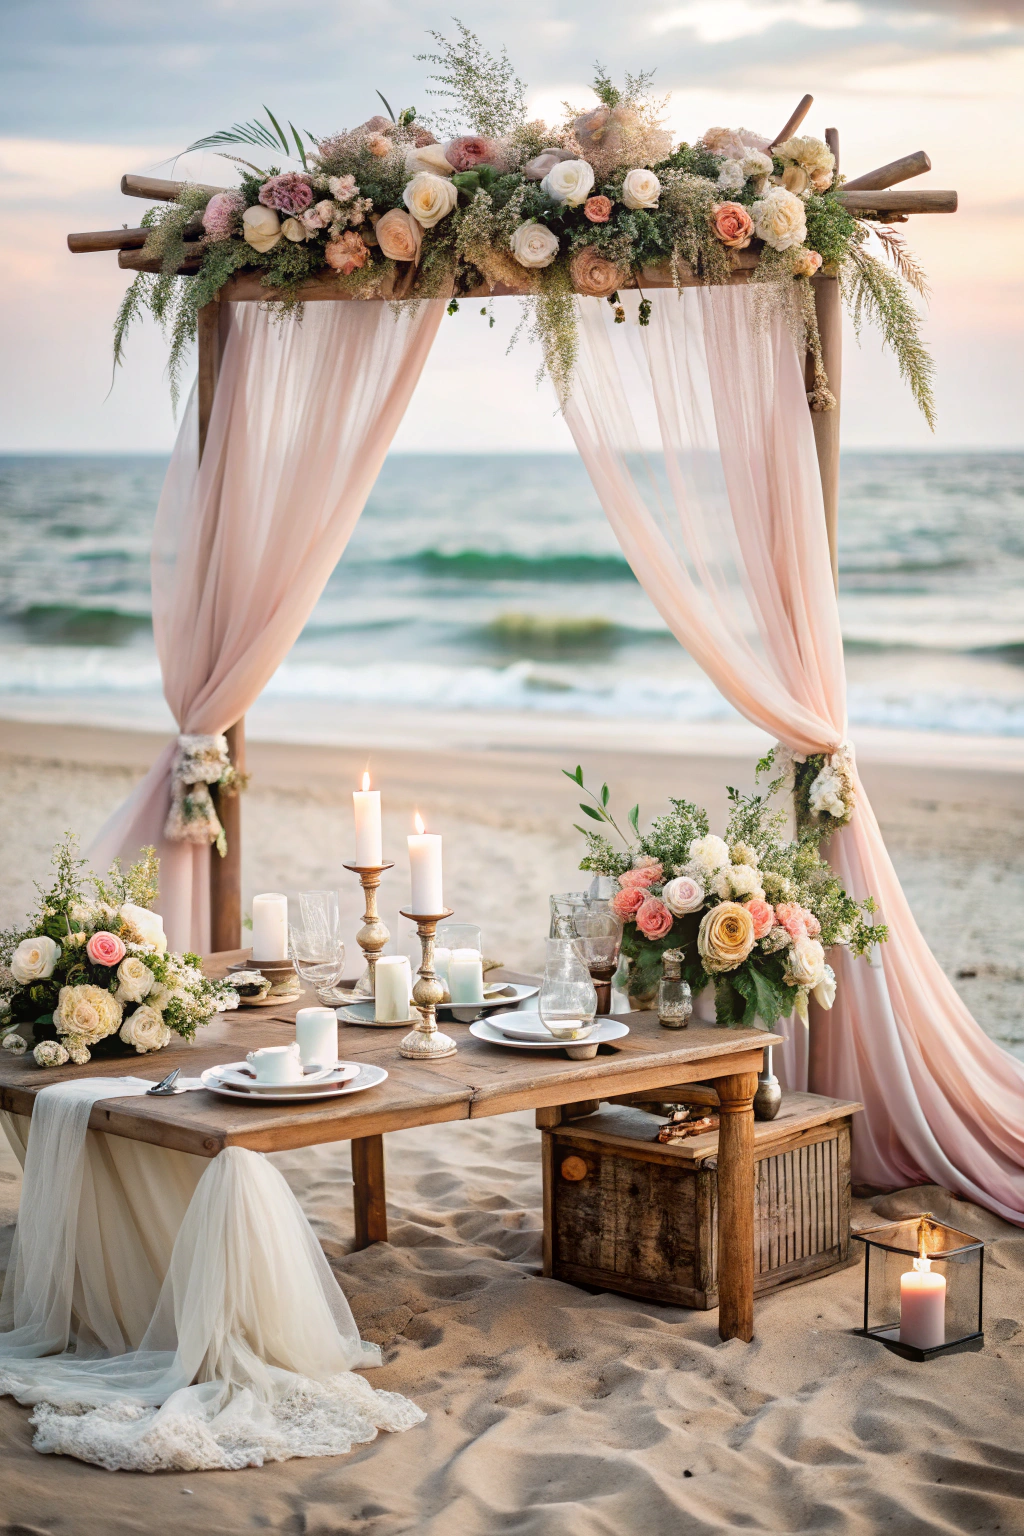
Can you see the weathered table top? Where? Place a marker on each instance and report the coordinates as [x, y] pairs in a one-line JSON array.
[[481, 1079]]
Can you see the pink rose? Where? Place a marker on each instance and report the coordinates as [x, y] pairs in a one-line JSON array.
[[466, 153], [319, 216], [791, 916], [733, 225], [598, 209], [105, 949], [628, 902], [811, 924], [222, 214], [637, 879], [654, 919], [764, 917], [648, 861], [346, 253], [288, 193]]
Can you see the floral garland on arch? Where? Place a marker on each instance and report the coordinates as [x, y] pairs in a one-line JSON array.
[[92, 975], [752, 913], [403, 206]]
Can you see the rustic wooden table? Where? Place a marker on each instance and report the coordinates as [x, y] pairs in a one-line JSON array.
[[481, 1080]]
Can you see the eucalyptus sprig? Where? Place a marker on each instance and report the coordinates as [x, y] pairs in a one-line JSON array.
[[599, 810]]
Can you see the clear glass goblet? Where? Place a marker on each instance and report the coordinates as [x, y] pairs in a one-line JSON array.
[[317, 948]]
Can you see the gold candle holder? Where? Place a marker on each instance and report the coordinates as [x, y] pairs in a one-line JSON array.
[[373, 935], [425, 1042]]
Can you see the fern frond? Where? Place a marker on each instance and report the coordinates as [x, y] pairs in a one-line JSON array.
[[903, 259], [874, 293]]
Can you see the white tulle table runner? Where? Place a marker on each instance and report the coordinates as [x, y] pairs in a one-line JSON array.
[[164, 1311]]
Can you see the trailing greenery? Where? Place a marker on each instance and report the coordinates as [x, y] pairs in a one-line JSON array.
[[874, 293]]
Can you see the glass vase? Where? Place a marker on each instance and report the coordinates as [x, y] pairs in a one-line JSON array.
[[568, 999]]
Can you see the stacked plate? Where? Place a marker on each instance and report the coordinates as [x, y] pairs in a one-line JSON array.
[[236, 1080], [526, 1031]]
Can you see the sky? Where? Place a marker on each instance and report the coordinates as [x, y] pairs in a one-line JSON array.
[[90, 89]]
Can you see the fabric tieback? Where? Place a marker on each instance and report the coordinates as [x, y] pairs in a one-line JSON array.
[[199, 762]]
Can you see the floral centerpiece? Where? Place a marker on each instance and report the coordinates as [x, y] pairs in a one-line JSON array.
[[477, 195], [753, 913], [91, 974]]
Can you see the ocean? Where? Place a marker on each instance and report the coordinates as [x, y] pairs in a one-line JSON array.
[[492, 582]]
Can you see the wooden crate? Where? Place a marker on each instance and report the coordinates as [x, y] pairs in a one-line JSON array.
[[625, 1213]]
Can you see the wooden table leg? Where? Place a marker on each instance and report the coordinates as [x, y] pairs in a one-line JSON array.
[[736, 1205], [369, 1198]]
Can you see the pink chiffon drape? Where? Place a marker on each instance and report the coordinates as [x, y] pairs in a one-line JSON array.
[[722, 522], [303, 416]]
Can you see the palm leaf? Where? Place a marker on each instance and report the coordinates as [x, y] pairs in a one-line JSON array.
[[239, 133], [280, 131], [388, 105]]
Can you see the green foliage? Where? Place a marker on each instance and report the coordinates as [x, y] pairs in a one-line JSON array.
[[830, 230], [874, 293], [670, 835], [480, 92], [269, 135]]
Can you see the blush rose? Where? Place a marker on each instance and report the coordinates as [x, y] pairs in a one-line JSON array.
[[733, 225], [763, 917], [598, 209], [105, 949], [654, 919], [628, 902]]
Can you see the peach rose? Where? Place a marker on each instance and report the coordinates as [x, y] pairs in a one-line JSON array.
[[763, 917], [733, 225], [399, 236], [594, 274], [105, 949], [807, 263], [471, 150], [346, 253], [811, 923], [638, 879], [791, 916], [598, 209], [378, 145], [654, 919], [628, 902], [725, 937]]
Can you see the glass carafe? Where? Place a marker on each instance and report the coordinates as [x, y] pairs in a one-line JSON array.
[[568, 1001], [599, 929]]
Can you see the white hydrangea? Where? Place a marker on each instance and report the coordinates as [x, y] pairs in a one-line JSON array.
[[78, 1052], [737, 882], [707, 855], [50, 1053], [731, 177], [755, 164], [742, 853], [825, 795]]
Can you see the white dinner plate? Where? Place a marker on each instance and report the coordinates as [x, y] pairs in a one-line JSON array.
[[607, 1030], [527, 1024], [239, 1074], [328, 1088]]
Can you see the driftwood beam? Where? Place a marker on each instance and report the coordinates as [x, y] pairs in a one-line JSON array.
[[932, 201], [888, 175], [156, 190], [832, 140], [134, 261], [796, 117], [123, 239]]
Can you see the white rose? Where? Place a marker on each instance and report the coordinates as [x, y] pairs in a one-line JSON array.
[[15, 1044], [430, 158], [50, 1053], [641, 189], [806, 962], [796, 180], [780, 219], [34, 960], [89, 1012], [731, 177], [534, 245], [709, 854], [148, 925], [755, 164], [146, 1030], [261, 227], [683, 895], [825, 992], [429, 198], [294, 229], [135, 980], [569, 182]]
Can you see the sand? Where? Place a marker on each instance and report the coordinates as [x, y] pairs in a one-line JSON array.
[[553, 1411]]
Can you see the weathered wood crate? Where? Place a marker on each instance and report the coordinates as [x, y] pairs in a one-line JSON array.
[[626, 1213]]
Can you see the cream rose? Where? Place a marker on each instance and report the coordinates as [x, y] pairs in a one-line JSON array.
[[148, 925], [261, 228], [780, 219], [725, 937], [683, 895], [146, 1030], [569, 182], [534, 245], [429, 198], [806, 963], [708, 854], [429, 158], [294, 229], [795, 179], [641, 189], [89, 1012], [34, 960], [50, 1053], [398, 234], [134, 980], [825, 992]]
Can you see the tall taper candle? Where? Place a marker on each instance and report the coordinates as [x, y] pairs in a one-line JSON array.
[[425, 868], [369, 843], [270, 927]]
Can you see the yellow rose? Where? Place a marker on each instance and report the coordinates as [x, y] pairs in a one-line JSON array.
[[725, 937]]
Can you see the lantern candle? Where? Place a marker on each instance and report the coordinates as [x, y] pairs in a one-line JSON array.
[[269, 927], [466, 977], [316, 1031], [425, 868], [922, 1302], [393, 995], [369, 842]]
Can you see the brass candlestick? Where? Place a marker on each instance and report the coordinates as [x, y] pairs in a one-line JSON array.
[[425, 1042], [373, 935]]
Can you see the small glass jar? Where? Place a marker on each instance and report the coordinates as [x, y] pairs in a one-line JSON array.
[[675, 1003]]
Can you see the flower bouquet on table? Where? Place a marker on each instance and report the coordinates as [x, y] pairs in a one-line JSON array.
[[92, 975], [753, 912]]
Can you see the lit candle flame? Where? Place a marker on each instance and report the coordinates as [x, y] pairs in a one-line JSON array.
[[922, 1263], [366, 782], [419, 824]]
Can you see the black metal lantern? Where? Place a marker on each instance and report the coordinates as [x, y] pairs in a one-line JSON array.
[[923, 1287]]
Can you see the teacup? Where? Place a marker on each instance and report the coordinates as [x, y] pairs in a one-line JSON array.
[[276, 1064]]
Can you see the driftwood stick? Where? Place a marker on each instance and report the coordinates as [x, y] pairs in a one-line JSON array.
[[832, 140], [888, 175], [156, 190], [123, 239], [794, 120], [931, 201], [134, 261]]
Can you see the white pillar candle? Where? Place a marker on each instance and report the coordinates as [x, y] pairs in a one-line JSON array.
[[270, 927], [425, 868], [316, 1032], [466, 977], [442, 956], [393, 994], [369, 842], [922, 1306]]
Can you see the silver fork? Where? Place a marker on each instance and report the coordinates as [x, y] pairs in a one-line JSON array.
[[166, 1084]]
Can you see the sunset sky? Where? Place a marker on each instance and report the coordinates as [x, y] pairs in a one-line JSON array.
[[92, 88]]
